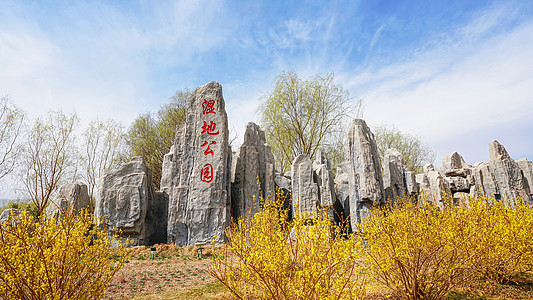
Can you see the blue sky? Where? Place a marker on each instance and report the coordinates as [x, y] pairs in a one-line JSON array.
[[456, 73]]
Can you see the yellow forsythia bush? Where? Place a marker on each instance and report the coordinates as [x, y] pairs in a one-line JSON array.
[[64, 258], [505, 231], [420, 251], [268, 257]]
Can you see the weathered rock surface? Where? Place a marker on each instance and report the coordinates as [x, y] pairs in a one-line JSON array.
[[410, 183], [252, 173], [434, 185], [393, 174], [71, 195], [342, 191], [485, 183], [284, 191], [123, 198], [507, 173], [364, 171], [451, 162], [305, 199], [196, 174], [527, 169], [325, 181]]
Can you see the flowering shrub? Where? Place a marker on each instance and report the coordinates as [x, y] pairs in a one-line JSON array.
[[65, 258], [421, 251], [268, 257]]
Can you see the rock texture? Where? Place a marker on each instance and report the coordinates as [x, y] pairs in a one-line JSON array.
[[305, 199], [196, 173], [71, 195], [507, 173], [393, 174], [433, 185], [342, 191], [527, 170], [284, 191], [364, 171], [124, 195], [325, 181], [252, 174]]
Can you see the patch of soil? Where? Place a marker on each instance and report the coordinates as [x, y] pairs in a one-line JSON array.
[[172, 268]]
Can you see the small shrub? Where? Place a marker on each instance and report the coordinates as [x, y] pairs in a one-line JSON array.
[[65, 258], [268, 257], [421, 252]]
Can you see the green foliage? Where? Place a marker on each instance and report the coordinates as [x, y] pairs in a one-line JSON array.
[[152, 135], [299, 116], [415, 153]]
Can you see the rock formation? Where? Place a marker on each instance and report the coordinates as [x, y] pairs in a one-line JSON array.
[[433, 185], [507, 173], [252, 173], [393, 174], [325, 181], [71, 195], [527, 170], [305, 198], [123, 199], [196, 173], [364, 171]]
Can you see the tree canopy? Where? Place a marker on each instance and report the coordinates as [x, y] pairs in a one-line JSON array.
[[299, 116], [151, 135], [414, 151]]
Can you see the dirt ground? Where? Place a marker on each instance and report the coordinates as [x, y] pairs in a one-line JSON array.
[[171, 271], [178, 273]]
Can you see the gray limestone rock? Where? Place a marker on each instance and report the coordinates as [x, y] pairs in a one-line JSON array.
[[365, 180], [196, 173], [436, 187], [527, 169], [509, 177], [252, 175], [452, 161], [71, 195], [156, 219], [393, 174], [411, 184], [342, 190], [324, 178], [305, 198], [485, 183], [458, 184], [124, 195]]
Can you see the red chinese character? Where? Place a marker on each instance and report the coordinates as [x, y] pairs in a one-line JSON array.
[[209, 129], [206, 175], [208, 107], [208, 150]]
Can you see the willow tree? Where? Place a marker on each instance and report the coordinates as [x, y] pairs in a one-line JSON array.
[[415, 152], [299, 116], [105, 148], [11, 121], [151, 135], [50, 156]]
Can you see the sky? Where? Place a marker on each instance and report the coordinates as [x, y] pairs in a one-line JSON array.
[[458, 74]]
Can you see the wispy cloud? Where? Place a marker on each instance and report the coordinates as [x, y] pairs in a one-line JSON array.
[[477, 79]]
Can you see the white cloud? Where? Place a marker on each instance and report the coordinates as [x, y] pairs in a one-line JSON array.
[[469, 83]]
